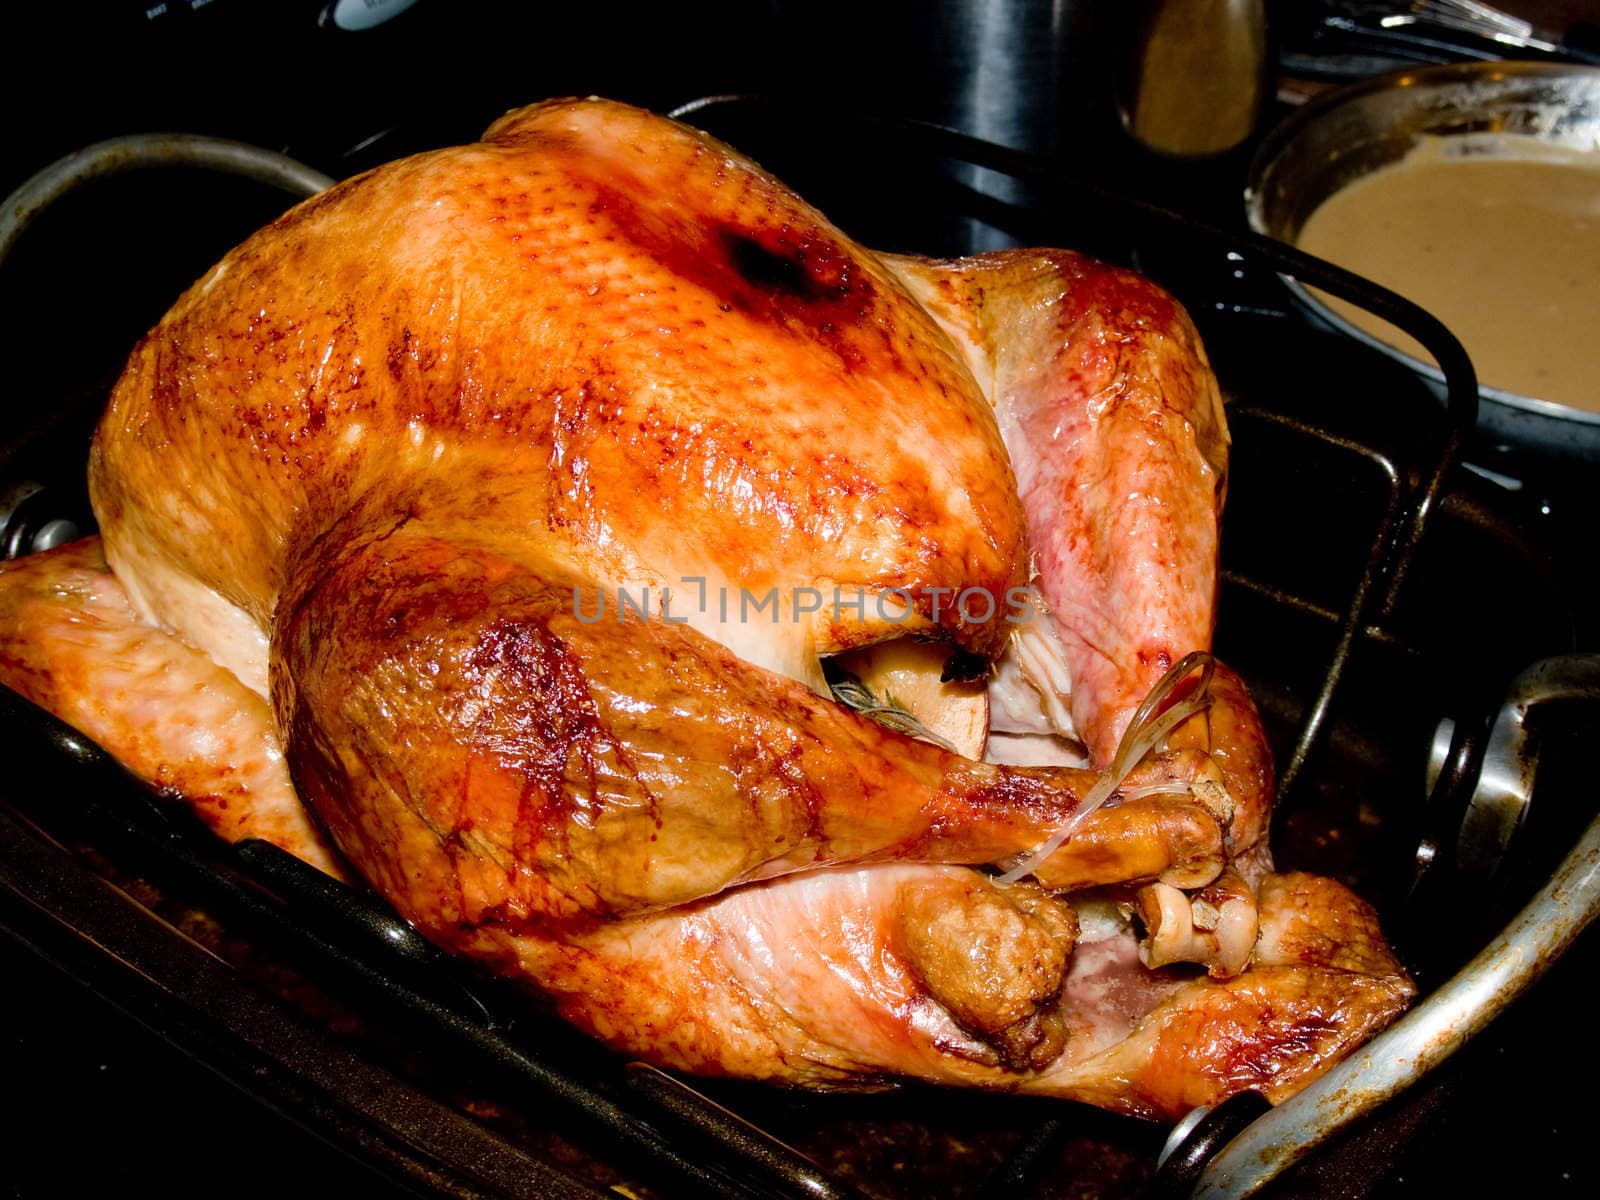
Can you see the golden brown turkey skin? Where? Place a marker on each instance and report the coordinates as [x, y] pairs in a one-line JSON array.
[[595, 337], [382, 459], [472, 743], [72, 644]]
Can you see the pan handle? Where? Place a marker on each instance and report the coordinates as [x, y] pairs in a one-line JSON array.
[[120, 154], [1461, 1007]]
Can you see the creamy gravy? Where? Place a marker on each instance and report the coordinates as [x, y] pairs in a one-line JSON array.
[[1497, 237]]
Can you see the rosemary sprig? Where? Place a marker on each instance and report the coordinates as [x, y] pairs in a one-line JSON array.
[[849, 691]]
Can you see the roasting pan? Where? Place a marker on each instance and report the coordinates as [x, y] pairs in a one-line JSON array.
[[1411, 623]]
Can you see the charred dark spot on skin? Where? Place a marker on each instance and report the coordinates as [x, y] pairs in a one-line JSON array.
[[546, 715], [787, 269], [789, 274], [963, 666], [778, 272], [1161, 660], [1033, 1043]]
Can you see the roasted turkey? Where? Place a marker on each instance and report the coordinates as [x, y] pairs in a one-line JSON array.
[[526, 508]]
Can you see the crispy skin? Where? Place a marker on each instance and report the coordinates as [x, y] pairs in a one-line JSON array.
[[381, 461], [595, 336], [71, 643], [479, 750]]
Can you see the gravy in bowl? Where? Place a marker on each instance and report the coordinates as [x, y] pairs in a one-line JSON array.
[[1498, 235]]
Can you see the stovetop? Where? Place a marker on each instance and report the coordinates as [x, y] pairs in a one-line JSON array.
[[1323, 429]]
